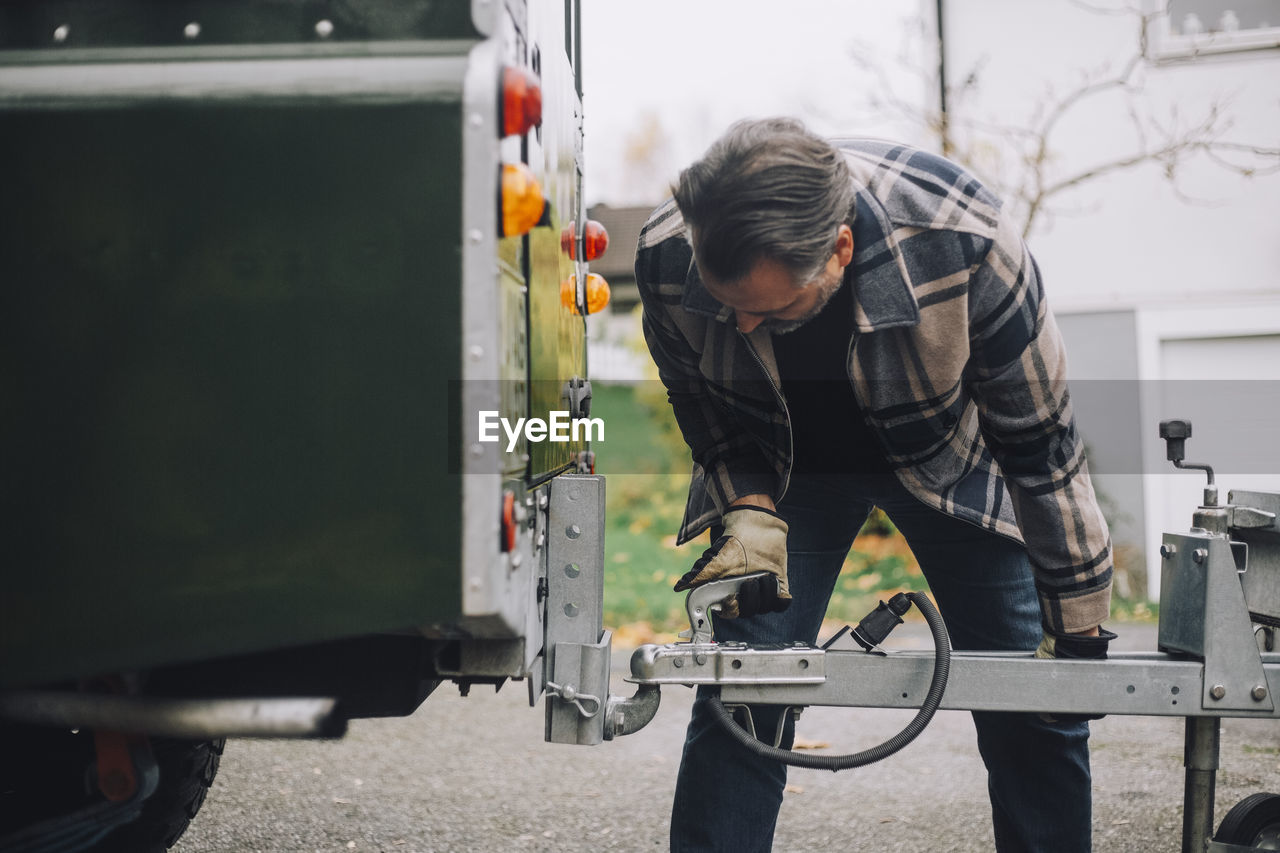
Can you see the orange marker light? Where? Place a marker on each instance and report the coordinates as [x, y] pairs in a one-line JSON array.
[[521, 102], [597, 293], [522, 200]]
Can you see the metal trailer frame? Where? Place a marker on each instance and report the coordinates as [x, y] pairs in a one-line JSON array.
[[1212, 664]]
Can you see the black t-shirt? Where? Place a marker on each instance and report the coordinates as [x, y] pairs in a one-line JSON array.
[[828, 433]]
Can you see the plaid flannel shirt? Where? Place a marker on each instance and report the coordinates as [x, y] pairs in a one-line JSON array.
[[954, 358]]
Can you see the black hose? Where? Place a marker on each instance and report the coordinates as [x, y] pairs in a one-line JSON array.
[[941, 667]]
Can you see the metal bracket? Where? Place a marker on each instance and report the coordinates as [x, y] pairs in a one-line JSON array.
[[1233, 675]]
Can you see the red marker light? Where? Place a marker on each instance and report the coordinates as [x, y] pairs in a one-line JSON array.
[[521, 102], [595, 240]]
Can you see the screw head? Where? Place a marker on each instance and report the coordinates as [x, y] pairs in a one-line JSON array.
[[1217, 691], [1259, 693]]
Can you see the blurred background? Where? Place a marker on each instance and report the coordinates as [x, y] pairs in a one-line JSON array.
[[1136, 142]]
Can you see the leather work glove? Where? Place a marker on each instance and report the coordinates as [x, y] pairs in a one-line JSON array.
[[1073, 647], [754, 540]]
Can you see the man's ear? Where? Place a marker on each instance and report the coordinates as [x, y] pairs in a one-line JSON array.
[[844, 246]]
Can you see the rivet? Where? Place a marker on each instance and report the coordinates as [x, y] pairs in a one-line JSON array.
[[191, 31], [1217, 691], [1259, 693], [573, 531], [572, 570], [476, 120], [477, 451], [700, 659], [476, 585], [571, 610], [324, 28], [61, 33], [475, 235], [677, 662], [476, 353]]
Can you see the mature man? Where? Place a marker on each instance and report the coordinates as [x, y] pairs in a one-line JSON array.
[[856, 324]]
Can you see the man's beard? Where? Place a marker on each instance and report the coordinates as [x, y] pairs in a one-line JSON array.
[[827, 287]]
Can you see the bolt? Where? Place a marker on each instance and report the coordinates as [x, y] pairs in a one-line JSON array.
[[699, 659], [1217, 691], [573, 531], [677, 662], [1167, 551], [1200, 555], [324, 28], [572, 570], [191, 31], [1259, 693], [571, 610]]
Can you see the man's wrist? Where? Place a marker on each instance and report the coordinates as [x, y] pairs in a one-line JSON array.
[[764, 501]]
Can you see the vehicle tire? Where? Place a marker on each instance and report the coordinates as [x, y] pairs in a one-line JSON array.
[[187, 768], [48, 772], [1252, 822]]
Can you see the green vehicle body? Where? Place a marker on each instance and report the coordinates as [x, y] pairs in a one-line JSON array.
[[254, 295]]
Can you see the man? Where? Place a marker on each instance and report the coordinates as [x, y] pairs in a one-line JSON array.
[[842, 326]]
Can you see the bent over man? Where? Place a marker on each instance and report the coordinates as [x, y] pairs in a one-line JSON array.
[[855, 324]]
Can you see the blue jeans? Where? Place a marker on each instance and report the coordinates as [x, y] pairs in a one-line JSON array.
[[1037, 773]]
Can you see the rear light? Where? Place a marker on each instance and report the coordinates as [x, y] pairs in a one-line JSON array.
[[521, 102], [508, 536], [597, 293], [522, 202], [595, 240]]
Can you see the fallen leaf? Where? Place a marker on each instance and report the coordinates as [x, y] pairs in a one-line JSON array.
[[793, 789], [805, 743], [351, 845], [888, 820]]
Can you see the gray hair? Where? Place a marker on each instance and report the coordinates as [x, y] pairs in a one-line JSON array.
[[767, 188]]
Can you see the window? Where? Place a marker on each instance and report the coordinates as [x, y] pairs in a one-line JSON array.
[[1194, 27]]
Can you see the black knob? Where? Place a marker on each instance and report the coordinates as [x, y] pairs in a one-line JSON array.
[[1175, 434]]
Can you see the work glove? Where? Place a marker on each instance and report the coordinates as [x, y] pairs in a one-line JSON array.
[[754, 540], [1073, 647]]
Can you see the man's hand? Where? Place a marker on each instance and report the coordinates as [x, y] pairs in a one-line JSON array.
[[1086, 645], [754, 540]]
